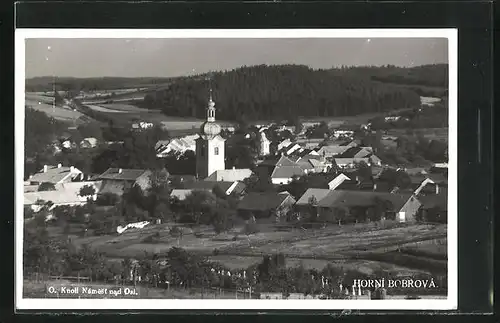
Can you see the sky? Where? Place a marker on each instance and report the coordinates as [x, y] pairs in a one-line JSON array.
[[94, 57]]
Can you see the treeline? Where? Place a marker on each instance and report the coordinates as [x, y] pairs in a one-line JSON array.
[[46, 83], [432, 75], [268, 92]]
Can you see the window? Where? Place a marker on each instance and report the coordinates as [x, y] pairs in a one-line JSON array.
[[216, 150]]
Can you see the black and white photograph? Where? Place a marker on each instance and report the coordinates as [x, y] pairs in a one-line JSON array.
[[236, 169]]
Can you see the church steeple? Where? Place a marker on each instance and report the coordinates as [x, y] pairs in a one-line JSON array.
[[211, 108]]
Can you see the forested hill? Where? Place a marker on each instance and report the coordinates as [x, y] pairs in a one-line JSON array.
[[266, 92]]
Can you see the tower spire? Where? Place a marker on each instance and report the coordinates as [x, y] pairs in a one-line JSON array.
[[211, 104]]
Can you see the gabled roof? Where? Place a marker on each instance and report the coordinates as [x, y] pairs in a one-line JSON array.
[[285, 161], [230, 175], [54, 174], [210, 185], [345, 161], [287, 172], [125, 175], [318, 193], [341, 198], [334, 183], [263, 201], [332, 150], [181, 193], [69, 193]]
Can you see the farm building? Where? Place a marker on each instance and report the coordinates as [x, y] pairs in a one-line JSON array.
[[434, 207], [349, 206], [89, 142], [331, 151], [266, 205], [229, 175], [357, 152], [351, 162], [226, 187], [118, 180], [284, 171], [64, 194], [333, 184], [56, 174]]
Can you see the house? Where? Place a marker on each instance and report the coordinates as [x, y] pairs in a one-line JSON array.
[[180, 145], [64, 194], [333, 184], [230, 175], [285, 170], [351, 162], [266, 205], [357, 152], [434, 207], [89, 142], [428, 183], [55, 175], [226, 187], [290, 149], [350, 206], [284, 144], [119, 180], [331, 151]]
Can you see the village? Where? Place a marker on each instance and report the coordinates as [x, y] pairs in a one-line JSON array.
[[327, 198]]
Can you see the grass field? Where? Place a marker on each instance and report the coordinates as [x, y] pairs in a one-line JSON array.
[[348, 246], [56, 112]]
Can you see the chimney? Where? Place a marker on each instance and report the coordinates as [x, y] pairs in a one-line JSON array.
[[437, 189], [71, 169], [374, 186], [45, 168], [234, 167], [59, 165], [120, 171]]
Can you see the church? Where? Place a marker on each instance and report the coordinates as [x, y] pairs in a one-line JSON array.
[[210, 154]]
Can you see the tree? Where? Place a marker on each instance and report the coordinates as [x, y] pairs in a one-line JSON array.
[[87, 191], [107, 198], [46, 186], [380, 209], [364, 171], [199, 205]]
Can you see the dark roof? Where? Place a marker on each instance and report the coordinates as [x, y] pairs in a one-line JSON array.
[[125, 175], [343, 198], [182, 178], [262, 201], [350, 153], [208, 185]]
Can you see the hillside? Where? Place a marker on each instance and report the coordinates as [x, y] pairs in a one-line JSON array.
[[268, 92], [44, 83]]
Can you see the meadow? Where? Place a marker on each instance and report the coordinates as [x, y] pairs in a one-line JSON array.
[[349, 246]]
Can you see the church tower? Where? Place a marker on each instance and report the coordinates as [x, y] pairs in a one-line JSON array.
[[264, 144], [210, 155]]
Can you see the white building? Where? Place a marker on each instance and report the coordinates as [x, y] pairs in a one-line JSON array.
[[264, 148], [209, 145]]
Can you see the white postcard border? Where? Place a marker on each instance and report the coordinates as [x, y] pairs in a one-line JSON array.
[[449, 303]]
